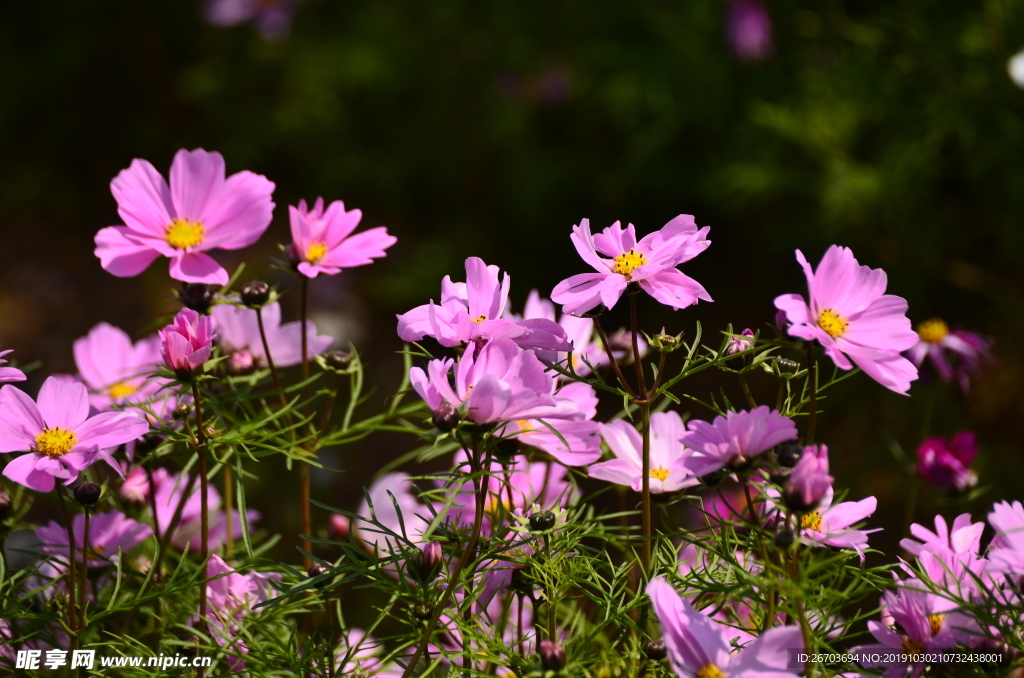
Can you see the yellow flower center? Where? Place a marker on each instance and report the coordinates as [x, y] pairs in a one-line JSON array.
[[912, 646], [811, 521], [932, 331], [833, 323], [479, 319], [524, 425], [185, 233], [316, 252], [935, 622], [53, 442], [659, 473], [94, 552], [710, 671], [120, 390], [627, 261]]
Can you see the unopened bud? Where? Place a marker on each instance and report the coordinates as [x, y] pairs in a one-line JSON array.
[[789, 454], [315, 570], [6, 505], [182, 411], [338, 359], [784, 540], [655, 650], [422, 611], [446, 417], [666, 343], [87, 494], [241, 362], [339, 526], [428, 561], [197, 296], [211, 432], [255, 293], [552, 655], [542, 520], [294, 258]]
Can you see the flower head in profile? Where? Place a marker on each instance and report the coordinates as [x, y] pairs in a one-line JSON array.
[[57, 434], [620, 259], [186, 344], [200, 210], [116, 371], [668, 472], [833, 524], [749, 30], [9, 374], [108, 533], [698, 646], [477, 311], [1007, 554], [853, 319], [952, 354], [322, 240], [735, 439], [238, 334], [946, 462], [809, 483], [740, 343]]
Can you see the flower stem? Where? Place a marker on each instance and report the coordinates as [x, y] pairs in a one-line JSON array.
[[611, 358], [72, 568], [812, 381], [85, 572], [805, 628], [204, 487], [304, 492], [273, 368], [229, 504], [645, 431]]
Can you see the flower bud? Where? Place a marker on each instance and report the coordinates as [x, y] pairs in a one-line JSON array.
[[241, 362], [135, 488], [787, 365], [87, 494], [784, 539], [255, 293], [182, 411], [315, 570], [422, 611], [339, 526], [446, 418], [779, 476], [211, 432], [809, 481], [542, 520], [428, 561], [294, 258], [196, 296], [738, 344], [338, 359], [666, 343], [552, 655], [6, 505], [655, 650], [789, 454], [186, 344]]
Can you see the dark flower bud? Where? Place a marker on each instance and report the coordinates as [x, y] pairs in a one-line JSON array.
[[789, 454], [422, 611], [182, 411], [197, 296], [552, 655], [315, 570], [87, 494], [428, 561], [655, 650], [784, 540], [338, 359], [6, 505], [787, 365], [446, 418], [255, 293], [542, 520]]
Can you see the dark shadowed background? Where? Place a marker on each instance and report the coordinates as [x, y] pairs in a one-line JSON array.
[[489, 129]]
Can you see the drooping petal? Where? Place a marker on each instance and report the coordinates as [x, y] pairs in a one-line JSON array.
[[197, 267]]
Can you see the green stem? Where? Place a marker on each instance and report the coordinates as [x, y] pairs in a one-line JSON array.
[[85, 572], [204, 489], [611, 359], [72, 570]]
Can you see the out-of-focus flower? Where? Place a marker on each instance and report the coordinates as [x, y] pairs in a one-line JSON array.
[[187, 343], [108, 533], [953, 354], [946, 462], [115, 370], [238, 334], [414, 520], [748, 30], [698, 646], [1008, 521], [475, 311], [668, 472], [8, 374], [738, 344], [853, 319], [272, 19], [169, 490], [498, 383], [651, 263], [58, 435], [949, 556], [1015, 67], [735, 439], [809, 482], [201, 210], [230, 600], [135, 487], [322, 240], [356, 655], [581, 436]]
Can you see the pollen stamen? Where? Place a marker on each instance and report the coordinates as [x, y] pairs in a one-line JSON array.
[[932, 331], [120, 390], [811, 521], [710, 671], [56, 441], [316, 252], [659, 473], [626, 262], [834, 324], [185, 233]]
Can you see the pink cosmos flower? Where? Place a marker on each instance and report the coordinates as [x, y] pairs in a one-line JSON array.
[[415, 516], [187, 343], [230, 600], [651, 263], [474, 311], [108, 533], [169, 490], [853, 319], [581, 436], [497, 383], [669, 472], [8, 374], [832, 524], [809, 482], [322, 241], [356, 655], [949, 555], [135, 487], [1008, 521], [956, 354], [58, 435], [698, 646], [272, 19], [946, 463], [199, 211], [115, 370], [238, 334], [749, 30], [735, 439]]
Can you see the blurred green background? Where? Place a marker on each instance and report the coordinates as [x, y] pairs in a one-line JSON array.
[[489, 129]]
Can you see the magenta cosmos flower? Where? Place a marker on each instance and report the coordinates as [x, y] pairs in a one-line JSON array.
[[186, 344], [946, 462], [668, 472], [950, 556], [853, 319], [698, 646], [651, 263], [735, 439], [116, 371], [8, 374], [108, 533], [1007, 520], [238, 333], [832, 524], [475, 311], [322, 240], [232, 599], [201, 210], [749, 30], [956, 354], [58, 435], [809, 482]]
